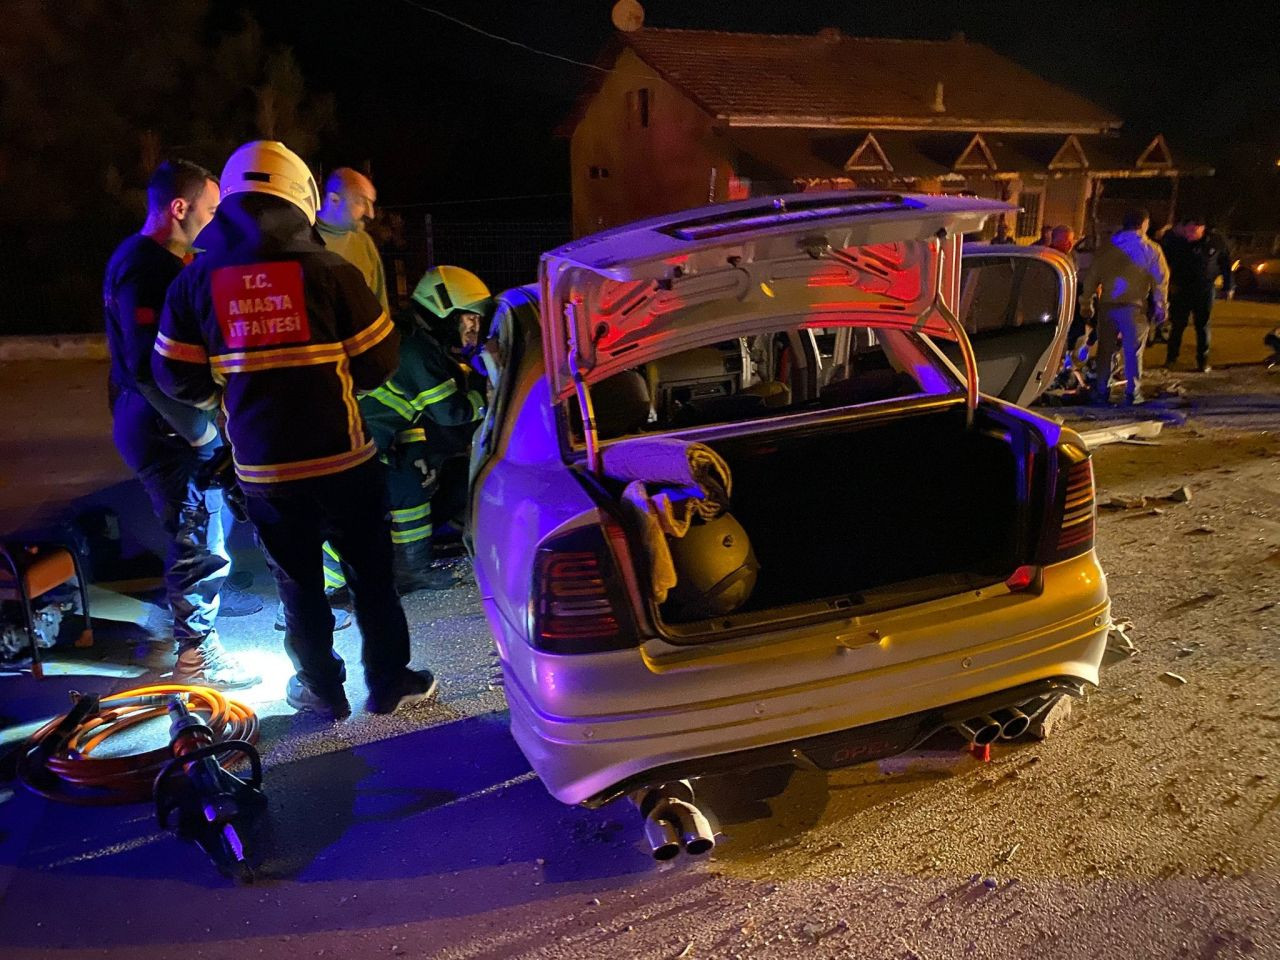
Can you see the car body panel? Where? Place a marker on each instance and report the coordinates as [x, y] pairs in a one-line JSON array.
[[1018, 341], [626, 296], [586, 727]]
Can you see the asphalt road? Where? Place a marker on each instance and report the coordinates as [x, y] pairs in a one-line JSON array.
[[1149, 826]]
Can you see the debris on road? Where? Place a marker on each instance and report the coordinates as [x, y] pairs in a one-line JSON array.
[[1118, 638], [1201, 531], [1177, 679], [1146, 430], [1181, 495], [1125, 503]]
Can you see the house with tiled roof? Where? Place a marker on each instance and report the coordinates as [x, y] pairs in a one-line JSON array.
[[679, 118]]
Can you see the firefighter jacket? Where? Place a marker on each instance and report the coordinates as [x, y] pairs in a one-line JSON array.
[[425, 387], [148, 427], [283, 333]]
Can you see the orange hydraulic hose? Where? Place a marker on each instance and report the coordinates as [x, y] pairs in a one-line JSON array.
[[72, 774]]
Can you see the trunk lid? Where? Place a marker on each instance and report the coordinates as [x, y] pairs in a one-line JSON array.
[[620, 298]]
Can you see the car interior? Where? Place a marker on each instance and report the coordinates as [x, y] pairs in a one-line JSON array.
[[747, 378]]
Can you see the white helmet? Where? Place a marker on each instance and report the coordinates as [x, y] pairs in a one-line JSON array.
[[267, 166]]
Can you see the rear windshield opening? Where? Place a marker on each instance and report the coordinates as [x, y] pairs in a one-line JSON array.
[[793, 370]]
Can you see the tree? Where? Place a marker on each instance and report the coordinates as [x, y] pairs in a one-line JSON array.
[[93, 94]]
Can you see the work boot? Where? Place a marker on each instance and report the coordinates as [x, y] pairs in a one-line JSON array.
[[209, 665], [341, 618], [331, 706], [411, 686], [413, 570]]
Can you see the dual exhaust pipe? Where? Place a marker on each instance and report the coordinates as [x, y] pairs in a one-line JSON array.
[[1007, 724], [673, 821]]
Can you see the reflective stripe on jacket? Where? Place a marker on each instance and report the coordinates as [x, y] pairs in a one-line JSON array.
[[284, 334]]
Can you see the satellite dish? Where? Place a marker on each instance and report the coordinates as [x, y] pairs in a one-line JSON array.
[[628, 15]]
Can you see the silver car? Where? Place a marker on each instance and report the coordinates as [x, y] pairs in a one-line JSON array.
[[865, 549]]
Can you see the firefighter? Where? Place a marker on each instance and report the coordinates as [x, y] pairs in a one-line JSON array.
[[164, 441], [429, 395], [283, 334], [455, 305]]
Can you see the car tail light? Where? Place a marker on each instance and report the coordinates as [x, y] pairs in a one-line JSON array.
[[1071, 528], [579, 604]]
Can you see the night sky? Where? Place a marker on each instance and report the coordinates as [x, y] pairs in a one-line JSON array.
[[444, 114]]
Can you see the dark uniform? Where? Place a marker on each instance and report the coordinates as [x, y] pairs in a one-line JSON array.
[[1193, 268], [154, 435], [286, 333], [427, 391]]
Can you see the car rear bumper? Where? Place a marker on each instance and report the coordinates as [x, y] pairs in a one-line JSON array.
[[929, 657]]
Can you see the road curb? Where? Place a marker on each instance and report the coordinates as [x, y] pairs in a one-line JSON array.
[[67, 346]]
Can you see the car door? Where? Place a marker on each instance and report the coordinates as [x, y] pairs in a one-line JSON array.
[[1016, 305]]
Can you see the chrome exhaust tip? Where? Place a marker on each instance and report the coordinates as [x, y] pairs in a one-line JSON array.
[[696, 835], [663, 838], [1013, 722], [980, 730]]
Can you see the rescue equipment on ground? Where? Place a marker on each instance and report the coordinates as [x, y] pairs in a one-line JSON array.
[[190, 777], [46, 621], [699, 555]]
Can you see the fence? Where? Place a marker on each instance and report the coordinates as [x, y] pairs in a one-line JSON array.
[[504, 253]]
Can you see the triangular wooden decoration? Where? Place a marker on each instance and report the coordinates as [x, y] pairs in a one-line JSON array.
[[1070, 156], [983, 162], [1156, 155], [869, 156]]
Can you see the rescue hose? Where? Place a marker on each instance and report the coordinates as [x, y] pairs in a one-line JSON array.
[[57, 761]]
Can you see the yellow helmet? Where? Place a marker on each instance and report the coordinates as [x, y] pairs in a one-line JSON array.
[[442, 290], [267, 166]]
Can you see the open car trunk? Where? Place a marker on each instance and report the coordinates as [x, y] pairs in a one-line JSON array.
[[858, 516]]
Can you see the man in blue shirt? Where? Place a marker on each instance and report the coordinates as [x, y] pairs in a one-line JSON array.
[[163, 441]]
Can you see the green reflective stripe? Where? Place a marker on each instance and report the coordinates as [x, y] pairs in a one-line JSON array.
[[389, 399], [477, 404], [331, 552], [416, 435], [411, 536], [411, 513], [334, 579], [434, 395]]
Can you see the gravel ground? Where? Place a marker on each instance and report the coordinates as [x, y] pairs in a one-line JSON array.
[[1148, 825]]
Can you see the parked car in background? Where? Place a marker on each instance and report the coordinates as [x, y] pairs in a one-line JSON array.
[[1258, 274], [874, 551]]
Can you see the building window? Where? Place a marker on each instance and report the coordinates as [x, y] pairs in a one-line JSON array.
[[598, 173], [1029, 217], [638, 102]]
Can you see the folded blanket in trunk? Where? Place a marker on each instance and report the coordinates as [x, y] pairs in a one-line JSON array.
[[671, 483], [673, 463]]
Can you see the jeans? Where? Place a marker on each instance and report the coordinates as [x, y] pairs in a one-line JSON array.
[[1129, 323], [349, 509], [1183, 306], [197, 562]]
